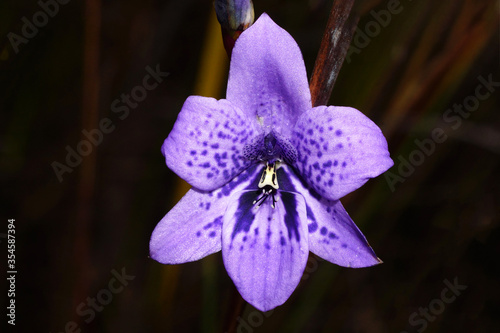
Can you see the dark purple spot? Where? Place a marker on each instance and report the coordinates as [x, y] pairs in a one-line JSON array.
[[320, 154], [198, 234], [189, 163], [323, 231], [335, 163], [330, 183], [212, 234], [210, 175], [340, 146], [331, 235], [205, 165], [193, 152], [256, 231], [310, 131], [312, 227], [344, 164], [344, 245], [244, 238], [218, 221], [204, 153], [282, 241], [215, 146], [327, 164], [207, 207], [338, 132], [267, 246], [226, 191]]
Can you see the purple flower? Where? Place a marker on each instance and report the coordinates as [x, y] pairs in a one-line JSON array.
[[267, 171]]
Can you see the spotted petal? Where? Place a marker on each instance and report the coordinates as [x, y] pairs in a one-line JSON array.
[[331, 232], [265, 249], [337, 238], [192, 229], [267, 77], [205, 146], [339, 149]]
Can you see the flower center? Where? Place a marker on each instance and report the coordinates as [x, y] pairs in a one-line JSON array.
[[274, 150], [269, 184], [270, 148]]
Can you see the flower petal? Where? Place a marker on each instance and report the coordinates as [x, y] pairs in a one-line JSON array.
[[338, 150], [267, 77], [206, 143], [192, 229], [332, 234], [265, 249]]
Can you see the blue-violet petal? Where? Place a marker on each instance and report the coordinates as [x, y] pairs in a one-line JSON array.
[[265, 249], [205, 147], [267, 77], [332, 234], [192, 229], [338, 150]]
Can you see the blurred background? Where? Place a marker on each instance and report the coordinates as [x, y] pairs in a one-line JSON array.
[[426, 72]]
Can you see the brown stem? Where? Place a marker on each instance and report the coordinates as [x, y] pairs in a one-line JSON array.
[[333, 49]]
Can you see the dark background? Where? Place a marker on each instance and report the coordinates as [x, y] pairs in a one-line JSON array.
[[437, 223]]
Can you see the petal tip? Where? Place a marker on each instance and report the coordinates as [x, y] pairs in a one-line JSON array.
[[264, 18]]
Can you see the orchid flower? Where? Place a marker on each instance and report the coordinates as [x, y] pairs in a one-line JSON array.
[[267, 171]]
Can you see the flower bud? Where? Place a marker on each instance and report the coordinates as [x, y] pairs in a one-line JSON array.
[[234, 17]]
